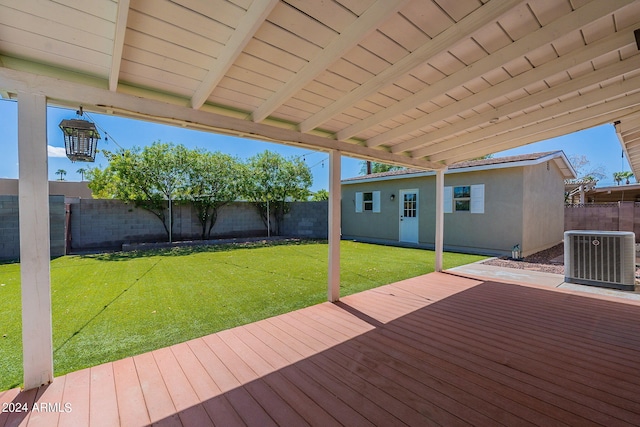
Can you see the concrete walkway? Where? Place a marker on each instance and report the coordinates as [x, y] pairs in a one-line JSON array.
[[515, 275]]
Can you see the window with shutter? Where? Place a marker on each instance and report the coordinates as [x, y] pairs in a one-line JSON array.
[[359, 199]]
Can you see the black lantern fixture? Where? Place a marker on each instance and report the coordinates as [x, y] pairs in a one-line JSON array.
[[80, 139]]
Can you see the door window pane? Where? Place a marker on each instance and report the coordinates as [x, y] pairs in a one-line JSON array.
[[410, 206]]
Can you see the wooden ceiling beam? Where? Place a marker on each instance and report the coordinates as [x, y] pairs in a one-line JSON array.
[[630, 123], [457, 32], [523, 104], [605, 112], [632, 140], [364, 25], [542, 36], [176, 111], [536, 118], [118, 43], [244, 32], [552, 132]]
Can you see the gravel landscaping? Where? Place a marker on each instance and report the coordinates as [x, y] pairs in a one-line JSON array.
[[548, 261]]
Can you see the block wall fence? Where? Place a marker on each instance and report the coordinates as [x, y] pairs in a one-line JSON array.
[[10, 226], [108, 224], [619, 216], [96, 224]]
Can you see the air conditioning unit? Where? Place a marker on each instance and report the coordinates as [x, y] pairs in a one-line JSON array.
[[600, 258]]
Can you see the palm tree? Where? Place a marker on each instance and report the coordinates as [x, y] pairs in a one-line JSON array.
[[81, 171], [621, 176], [62, 173], [627, 175], [617, 177]]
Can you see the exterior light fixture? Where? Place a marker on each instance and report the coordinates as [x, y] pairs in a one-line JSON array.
[[393, 197], [80, 139]]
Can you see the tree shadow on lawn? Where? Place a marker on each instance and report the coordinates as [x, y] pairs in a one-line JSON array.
[[196, 247]]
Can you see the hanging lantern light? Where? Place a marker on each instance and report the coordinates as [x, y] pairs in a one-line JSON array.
[[80, 139]]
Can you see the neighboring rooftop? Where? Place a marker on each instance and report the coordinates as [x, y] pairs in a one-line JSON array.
[[490, 163]]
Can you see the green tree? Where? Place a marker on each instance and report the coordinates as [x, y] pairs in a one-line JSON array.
[[320, 195], [151, 178], [102, 182], [82, 172], [213, 180], [62, 173], [275, 181], [378, 167]]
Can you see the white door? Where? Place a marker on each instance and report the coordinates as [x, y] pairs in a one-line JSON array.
[[409, 216]]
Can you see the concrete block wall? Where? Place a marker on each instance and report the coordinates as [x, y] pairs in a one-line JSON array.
[[10, 226], [620, 216], [238, 219], [107, 224], [307, 220], [57, 214]]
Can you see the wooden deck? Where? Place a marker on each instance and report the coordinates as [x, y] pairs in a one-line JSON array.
[[433, 350]]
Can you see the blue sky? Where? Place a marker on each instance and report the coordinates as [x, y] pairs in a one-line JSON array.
[[600, 145]]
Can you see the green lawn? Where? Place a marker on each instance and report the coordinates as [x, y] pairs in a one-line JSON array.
[[107, 307]]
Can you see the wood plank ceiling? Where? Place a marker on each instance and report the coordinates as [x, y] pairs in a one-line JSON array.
[[417, 82]]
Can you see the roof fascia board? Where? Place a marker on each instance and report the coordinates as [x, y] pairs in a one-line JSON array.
[[521, 163]]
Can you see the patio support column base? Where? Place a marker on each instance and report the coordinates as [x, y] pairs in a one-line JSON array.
[[439, 234], [33, 190], [334, 225]]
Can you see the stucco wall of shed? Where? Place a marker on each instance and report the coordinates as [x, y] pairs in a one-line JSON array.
[[543, 216], [500, 226], [520, 207], [383, 225]]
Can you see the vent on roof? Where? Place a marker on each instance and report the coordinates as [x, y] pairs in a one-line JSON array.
[[600, 258]]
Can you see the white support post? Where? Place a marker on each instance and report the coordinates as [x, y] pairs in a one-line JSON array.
[[335, 197], [33, 188], [439, 243]]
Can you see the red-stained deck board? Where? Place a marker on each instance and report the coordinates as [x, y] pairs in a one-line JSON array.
[[18, 411], [52, 394], [301, 404], [6, 398], [156, 396], [184, 397], [218, 372], [492, 375], [213, 400], [364, 379], [131, 404], [585, 367], [77, 393], [103, 409], [436, 349], [503, 362]]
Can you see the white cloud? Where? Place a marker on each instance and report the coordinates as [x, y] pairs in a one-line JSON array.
[[56, 151]]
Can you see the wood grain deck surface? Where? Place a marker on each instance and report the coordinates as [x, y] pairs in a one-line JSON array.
[[433, 350]]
